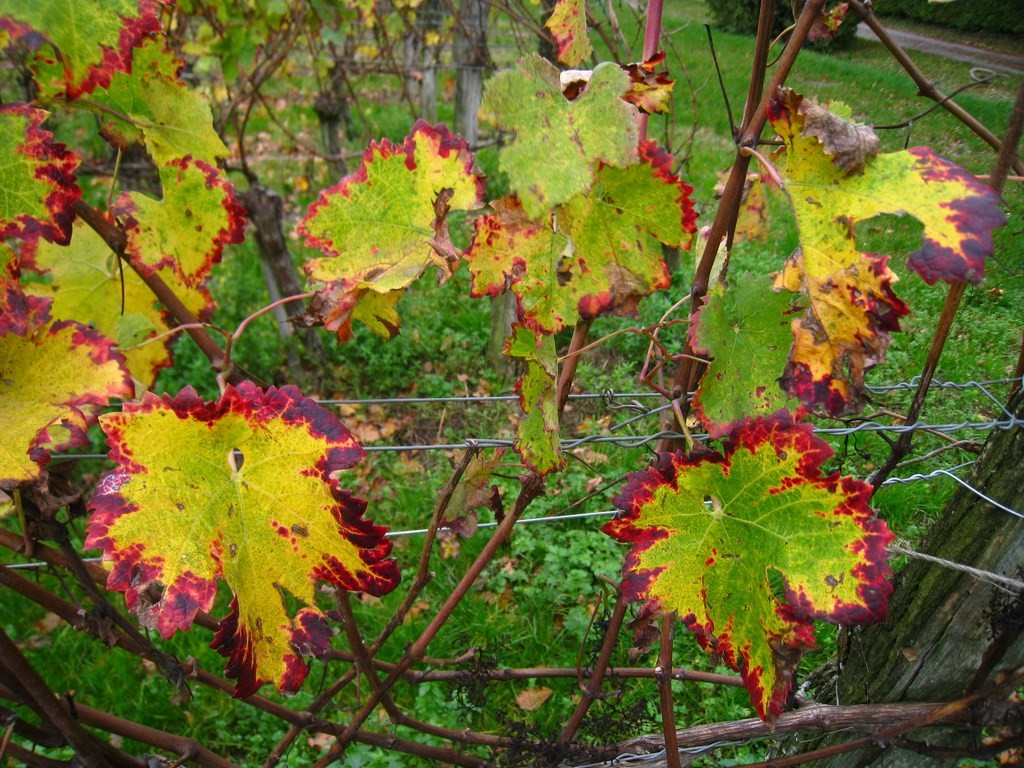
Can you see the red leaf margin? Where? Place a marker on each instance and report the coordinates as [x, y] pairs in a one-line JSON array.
[[113, 60], [447, 145], [717, 429], [19, 312], [59, 173], [779, 430], [231, 234], [508, 217], [975, 215], [86, 407], [131, 573]]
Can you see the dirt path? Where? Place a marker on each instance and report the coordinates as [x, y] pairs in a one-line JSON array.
[[1002, 62]]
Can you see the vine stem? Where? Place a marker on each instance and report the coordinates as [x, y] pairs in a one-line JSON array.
[[765, 164], [226, 364], [531, 488], [187, 749], [117, 242], [806, 719], [754, 118], [269, 308], [39, 696], [423, 574], [174, 331], [650, 331], [532, 485], [571, 360], [925, 86], [422, 578], [652, 35], [592, 689], [954, 710], [668, 714]]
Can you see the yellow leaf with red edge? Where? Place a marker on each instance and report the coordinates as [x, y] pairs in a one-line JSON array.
[[600, 253], [152, 104], [382, 226], [37, 179], [568, 26], [85, 283], [244, 489], [93, 39], [53, 383], [835, 179], [750, 546], [187, 229], [19, 312]]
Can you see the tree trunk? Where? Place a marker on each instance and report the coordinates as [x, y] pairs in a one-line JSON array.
[[943, 637], [263, 206], [331, 108], [471, 59]]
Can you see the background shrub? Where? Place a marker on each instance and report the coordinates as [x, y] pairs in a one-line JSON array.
[[1004, 16], [740, 16]]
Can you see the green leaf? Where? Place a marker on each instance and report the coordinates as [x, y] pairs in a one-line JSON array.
[[751, 545], [601, 254], [53, 383], [835, 180], [37, 179], [94, 39], [85, 284], [538, 437], [161, 111], [382, 226], [558, 142], [568, 26], [244, 489], [745, 329], [188, 228]]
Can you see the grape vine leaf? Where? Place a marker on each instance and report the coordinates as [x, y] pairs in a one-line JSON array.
[[244, 489], [37, 181], [650, 90], [752, 220], [188, 228], [745, 329], [93, 39], [382, 226], [85, 283], [335, 307], [827, 22], [537, 440], [474, 491], [834, 181], [558, 142], [19, 312], [53, 381], [602, 253], [712, 532], [153, 105], [568, 26]]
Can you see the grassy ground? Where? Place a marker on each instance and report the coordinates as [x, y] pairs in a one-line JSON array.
[[535, 603]]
